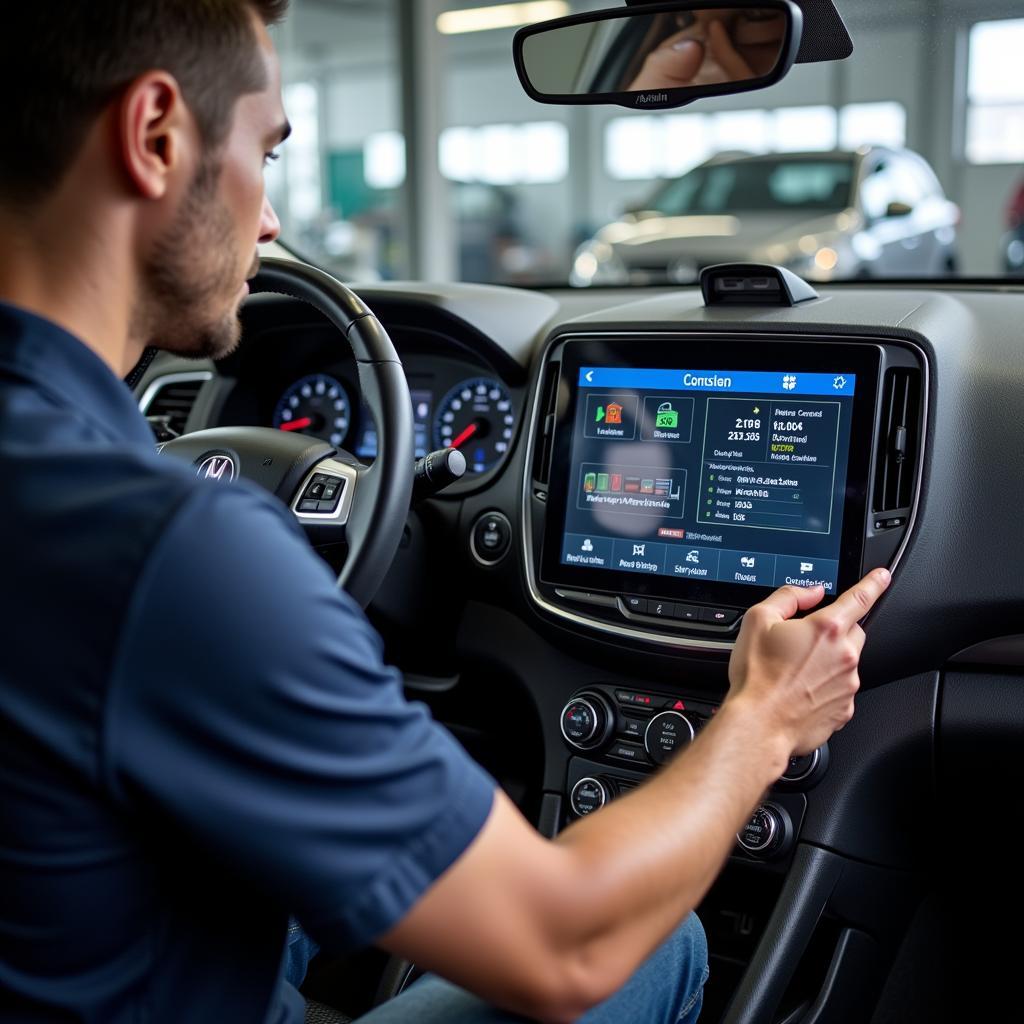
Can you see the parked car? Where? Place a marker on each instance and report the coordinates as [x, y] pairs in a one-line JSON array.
[[876, 212], [1013, 241]]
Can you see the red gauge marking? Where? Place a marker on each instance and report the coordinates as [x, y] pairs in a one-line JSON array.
[[466, 435], [297, 424]]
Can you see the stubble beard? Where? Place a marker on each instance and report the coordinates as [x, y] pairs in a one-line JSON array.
[[189, 284]]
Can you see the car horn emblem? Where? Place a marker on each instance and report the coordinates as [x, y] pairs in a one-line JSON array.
[[220, 468]]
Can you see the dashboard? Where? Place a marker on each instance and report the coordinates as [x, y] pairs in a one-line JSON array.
[[649, 468], [299, 378]]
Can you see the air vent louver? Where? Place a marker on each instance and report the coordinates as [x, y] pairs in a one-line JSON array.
[[546, 424], [899, 441], [168, 410]]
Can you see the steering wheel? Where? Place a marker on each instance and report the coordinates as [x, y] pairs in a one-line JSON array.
[[334, 496]]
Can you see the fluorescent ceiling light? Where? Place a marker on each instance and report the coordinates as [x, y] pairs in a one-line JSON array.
[[482, 19]]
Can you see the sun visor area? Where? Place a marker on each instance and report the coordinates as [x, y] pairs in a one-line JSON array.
[[825, 34]]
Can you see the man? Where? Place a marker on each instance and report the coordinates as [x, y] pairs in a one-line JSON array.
[[198, 736]]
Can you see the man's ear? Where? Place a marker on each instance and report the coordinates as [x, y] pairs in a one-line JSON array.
[[156, 131]]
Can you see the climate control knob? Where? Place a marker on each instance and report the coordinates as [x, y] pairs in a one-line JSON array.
[[666, 735], [586, 721], [765, 833], [588, 795]]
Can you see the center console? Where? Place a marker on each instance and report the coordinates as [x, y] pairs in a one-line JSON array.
[[675, 480]]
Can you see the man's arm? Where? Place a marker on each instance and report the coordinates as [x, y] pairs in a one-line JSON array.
[[551, 929]]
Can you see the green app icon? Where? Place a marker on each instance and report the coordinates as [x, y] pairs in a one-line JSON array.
[[667, 418], [599, 417]]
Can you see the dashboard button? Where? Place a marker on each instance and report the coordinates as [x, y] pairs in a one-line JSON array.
[[763, 833], [628, 752], [588, 795], [491, 538], [640, 700], [309, 506], [637, 605], [667, 734], [687, 612], [661, 609], [719, 616], [632, 728], [580, 722], [800, 767]]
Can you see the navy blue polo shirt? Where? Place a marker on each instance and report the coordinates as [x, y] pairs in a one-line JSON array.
[[198, 737]]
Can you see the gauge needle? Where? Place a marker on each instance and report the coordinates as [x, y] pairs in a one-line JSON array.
[[465, 435], [297, 424]]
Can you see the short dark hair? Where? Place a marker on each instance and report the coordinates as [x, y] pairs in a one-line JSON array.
[[63, 61]]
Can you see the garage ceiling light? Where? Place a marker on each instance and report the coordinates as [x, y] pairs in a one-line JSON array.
[[482, 19]]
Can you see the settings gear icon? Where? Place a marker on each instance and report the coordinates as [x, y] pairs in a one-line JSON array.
[[839, 383]]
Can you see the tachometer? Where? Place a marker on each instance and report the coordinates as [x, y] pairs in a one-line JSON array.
[[317, 405], [476, 417]]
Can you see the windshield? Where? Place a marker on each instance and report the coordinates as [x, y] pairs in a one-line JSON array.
[[759, 186], [416, 154]]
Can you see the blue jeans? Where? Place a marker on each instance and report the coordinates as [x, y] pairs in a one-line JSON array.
[[667, 989]]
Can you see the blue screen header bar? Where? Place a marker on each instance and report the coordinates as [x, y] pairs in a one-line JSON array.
[[759, 382]]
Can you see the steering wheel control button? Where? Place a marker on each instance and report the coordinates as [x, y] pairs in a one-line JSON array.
[[587, 795], [491, 538], [762, 835], [802, 767], [719, 616], [666, 735], [322, 494]]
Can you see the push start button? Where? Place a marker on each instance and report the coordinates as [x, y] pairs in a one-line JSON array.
[[491, 538]]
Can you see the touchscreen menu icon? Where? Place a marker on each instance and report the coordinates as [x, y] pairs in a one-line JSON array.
[[611, 417], [610, 414], [667, 417], [612, 489]]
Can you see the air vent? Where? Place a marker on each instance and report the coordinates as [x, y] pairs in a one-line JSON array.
[[546, 424], [168, 402], [898, 443]]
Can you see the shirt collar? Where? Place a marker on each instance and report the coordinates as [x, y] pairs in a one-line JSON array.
[[69, 372]]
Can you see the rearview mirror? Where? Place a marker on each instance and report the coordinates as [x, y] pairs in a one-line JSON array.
[[659, 55]]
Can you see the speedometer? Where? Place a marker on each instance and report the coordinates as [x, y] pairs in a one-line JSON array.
[[317, 405], [476, 417]]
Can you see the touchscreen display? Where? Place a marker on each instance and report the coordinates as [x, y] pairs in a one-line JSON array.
[[724, 476]]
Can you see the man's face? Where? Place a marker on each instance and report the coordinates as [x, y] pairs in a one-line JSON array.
[[195, 274]]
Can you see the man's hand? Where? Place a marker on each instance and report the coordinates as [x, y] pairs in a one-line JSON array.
[[802, 673]]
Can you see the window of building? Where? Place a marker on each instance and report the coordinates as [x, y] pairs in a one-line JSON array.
[[872, 124], [995, 93], [506, 154]]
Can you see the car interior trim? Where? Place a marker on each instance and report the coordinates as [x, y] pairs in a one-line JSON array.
[[166, 380]]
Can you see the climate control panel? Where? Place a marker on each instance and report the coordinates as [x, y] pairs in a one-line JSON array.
[[620, 735], [631, 727]]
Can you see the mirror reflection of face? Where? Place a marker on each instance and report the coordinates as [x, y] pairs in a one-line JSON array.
[[710, 47]]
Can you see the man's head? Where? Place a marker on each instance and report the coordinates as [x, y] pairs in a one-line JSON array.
[[166, 110]]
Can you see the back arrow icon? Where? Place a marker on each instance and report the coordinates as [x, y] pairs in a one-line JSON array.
[[590, 376]]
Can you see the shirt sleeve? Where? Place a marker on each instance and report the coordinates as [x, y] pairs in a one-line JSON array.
[[251, 710]]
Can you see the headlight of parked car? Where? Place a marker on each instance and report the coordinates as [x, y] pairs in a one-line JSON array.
[[595, 262]]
